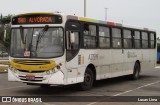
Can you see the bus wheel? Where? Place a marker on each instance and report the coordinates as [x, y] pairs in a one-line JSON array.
[[136, 72], [88, 80]]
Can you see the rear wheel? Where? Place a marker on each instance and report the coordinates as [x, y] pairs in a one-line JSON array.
[[136, 72], [88, 80]]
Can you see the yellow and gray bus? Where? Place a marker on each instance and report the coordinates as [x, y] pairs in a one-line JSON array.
[[57, 49]]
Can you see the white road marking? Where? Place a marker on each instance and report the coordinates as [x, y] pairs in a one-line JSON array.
[[98, 100], [126, 92], [136, 88], [157, 67], [13, 87]]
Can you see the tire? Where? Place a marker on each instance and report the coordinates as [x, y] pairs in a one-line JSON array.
[[88, 80], [136, 72]]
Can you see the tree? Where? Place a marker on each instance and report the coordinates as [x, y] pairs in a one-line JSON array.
[[6, 19], [4, 22], [1, 19]]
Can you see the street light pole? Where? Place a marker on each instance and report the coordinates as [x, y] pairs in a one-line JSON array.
[[84, 8], [106, 13]]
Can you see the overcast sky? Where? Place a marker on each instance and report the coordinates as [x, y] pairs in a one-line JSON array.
[[142, 13]]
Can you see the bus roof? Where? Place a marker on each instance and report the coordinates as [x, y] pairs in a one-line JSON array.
[[112, 23], [32, 13], [86, 19]]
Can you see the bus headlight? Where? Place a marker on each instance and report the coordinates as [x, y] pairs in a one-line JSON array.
[[58, 67], [47, 72], [52, 71]]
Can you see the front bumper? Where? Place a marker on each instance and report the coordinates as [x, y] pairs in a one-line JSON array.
[[56, 78]]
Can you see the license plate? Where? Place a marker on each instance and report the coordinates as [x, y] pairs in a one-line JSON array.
[[30, 77]]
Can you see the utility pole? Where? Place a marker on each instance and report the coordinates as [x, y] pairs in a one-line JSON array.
[[106, 13], [84, 8]]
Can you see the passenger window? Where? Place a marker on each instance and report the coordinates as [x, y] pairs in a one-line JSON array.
[[104, 37], [137, 39], [90, 36], [144, 40], [152, 40], [127, 41], [116, 38]]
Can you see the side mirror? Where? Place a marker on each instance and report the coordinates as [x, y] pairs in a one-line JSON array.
[[72, 37]]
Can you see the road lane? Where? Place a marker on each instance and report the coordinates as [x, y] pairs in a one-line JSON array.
[[147, 85]]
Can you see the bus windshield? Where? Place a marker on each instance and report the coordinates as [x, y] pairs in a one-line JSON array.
[[37, 42]]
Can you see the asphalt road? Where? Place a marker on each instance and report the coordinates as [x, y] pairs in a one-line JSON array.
[[147, 85]]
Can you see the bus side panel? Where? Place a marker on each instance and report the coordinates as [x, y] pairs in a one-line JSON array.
[[129, 57], [77, 66], [147, 59], [104, 60], [116, 62]]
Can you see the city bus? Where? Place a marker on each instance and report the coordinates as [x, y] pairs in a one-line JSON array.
[[58, 49], [158, 51]]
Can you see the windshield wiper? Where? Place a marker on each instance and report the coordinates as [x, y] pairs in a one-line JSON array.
[[25, 38], [41, 34], [22, 36]]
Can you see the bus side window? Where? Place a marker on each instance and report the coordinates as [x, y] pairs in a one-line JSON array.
[[152, 40], [72, 40], [89, 36], [127, 38], [144, 40], [116, 38], [137, 40]]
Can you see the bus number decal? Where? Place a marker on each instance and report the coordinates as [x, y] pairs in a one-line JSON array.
[[131, 55], [93, 57], [21, 20]]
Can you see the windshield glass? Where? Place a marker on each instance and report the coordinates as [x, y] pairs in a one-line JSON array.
[[37, 42]]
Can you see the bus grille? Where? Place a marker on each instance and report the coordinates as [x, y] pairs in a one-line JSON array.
[[32, 62], [37, 79], [25, 71]]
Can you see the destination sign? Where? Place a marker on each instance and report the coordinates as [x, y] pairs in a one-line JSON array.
[[37, 19]]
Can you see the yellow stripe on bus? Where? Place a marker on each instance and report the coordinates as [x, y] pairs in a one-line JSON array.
[[32, 66]]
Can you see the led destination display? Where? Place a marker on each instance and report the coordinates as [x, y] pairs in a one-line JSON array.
[[37, 19]]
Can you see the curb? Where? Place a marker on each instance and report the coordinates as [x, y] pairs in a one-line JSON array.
[[3, 71]]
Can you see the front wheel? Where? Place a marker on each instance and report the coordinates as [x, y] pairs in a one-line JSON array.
[[136, 72], [88, 80]]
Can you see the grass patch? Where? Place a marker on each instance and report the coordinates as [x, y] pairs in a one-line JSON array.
[[3, 69]]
